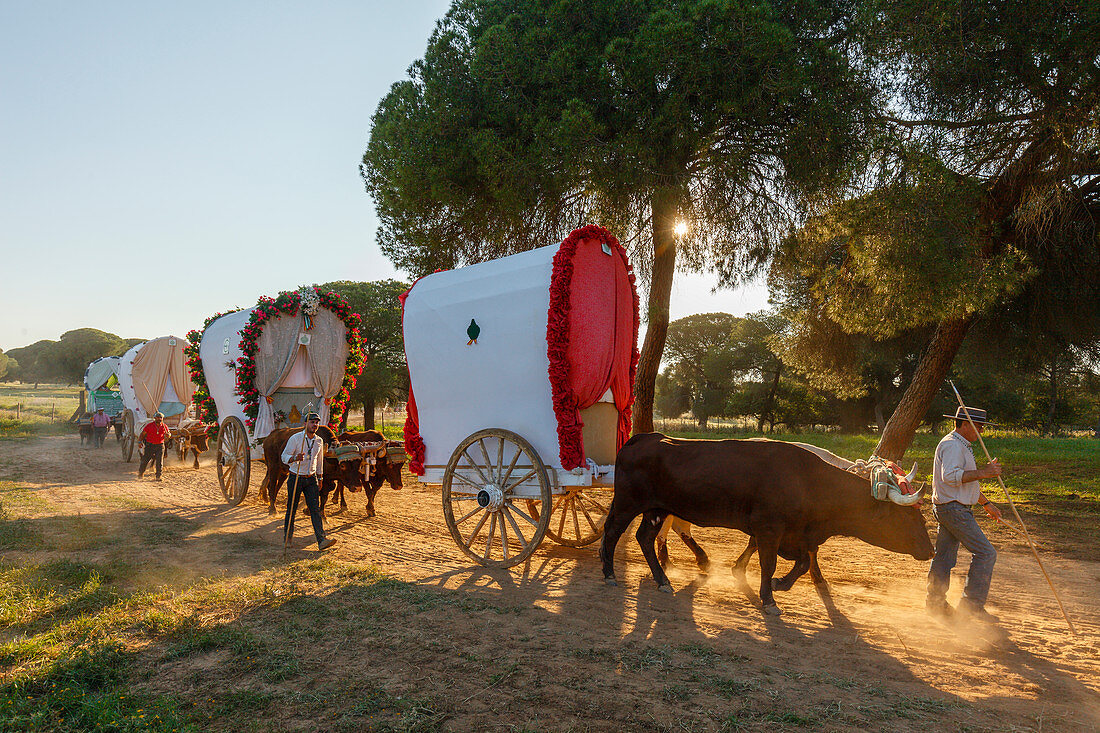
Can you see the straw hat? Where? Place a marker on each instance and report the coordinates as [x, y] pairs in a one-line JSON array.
[[976, 415]]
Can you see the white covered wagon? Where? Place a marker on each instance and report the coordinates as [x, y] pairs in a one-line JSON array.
[[522, 378], [267, 366], [153, 377]]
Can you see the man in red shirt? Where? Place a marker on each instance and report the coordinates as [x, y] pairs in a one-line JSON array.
[[152, 438]]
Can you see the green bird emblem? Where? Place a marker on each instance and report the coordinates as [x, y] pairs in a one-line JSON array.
[[473, 331]]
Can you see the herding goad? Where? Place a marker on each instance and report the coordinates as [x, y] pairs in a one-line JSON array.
[[787, 498]]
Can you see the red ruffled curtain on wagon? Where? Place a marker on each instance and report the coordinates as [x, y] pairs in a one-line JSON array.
[[414, 444], [591, 335]]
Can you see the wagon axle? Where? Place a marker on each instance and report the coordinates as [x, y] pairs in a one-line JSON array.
[[490, 498]]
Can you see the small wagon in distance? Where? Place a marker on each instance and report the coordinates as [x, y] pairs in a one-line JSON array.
[[153, 377], [101, 388]]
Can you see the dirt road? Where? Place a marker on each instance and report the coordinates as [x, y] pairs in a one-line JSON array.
[[862, 656]]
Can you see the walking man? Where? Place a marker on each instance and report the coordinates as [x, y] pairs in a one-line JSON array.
[[304, 454], [153, 436], [100, 422], [955, 490]]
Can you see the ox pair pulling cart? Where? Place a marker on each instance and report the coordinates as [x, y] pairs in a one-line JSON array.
[[152, 377], [263, 368], [522, 378]]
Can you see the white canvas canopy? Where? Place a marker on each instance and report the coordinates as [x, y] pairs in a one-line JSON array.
[[311, 371], [153, 376], [100, 371], [501, 381]]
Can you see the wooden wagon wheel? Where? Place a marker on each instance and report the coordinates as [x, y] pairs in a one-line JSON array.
[[234, 460], [578, 515], [128, 437], [480, 501]]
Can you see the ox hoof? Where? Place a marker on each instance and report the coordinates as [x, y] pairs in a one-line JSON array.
[[611, 582], [666, 588], [772, 610], [271, 509]]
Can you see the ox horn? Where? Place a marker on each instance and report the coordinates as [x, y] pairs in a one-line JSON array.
[[912, 474], [904, 499]]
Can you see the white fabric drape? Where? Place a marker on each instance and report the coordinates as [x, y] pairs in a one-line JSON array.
[[328, 356], [276, 349]]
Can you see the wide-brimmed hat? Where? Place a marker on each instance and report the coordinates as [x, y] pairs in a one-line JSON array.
[[977, 416], [313, 416]]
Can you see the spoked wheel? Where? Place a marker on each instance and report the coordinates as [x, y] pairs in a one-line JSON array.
[[234, 460], [485, 484], [578, 515], [128, 437]]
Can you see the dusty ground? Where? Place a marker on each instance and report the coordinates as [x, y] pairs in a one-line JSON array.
[[549, 646]]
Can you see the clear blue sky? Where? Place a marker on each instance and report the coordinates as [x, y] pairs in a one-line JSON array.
[[162, 162]]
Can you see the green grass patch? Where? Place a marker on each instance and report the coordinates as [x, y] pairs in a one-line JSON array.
[[164, 529], [52, 592]]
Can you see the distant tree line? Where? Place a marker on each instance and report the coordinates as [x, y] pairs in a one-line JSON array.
[[764, 367], [64, 360]]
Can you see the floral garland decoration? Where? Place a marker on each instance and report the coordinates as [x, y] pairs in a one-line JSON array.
[[204, 402], [288, 303]]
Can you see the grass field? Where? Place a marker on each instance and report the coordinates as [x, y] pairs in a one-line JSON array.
[[26, 411]]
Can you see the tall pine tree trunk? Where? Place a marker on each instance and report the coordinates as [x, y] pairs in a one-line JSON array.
[[769, 402], [927, 381], [1051, 408], [368, 413], [660, 291]]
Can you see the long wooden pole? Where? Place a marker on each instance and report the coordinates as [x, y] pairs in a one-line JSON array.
[[1012, 505]]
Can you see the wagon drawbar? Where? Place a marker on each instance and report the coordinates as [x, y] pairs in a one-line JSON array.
[[521, 385]]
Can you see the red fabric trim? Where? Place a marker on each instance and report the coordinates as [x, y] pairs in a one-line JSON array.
[[414, 444], [566, 407]]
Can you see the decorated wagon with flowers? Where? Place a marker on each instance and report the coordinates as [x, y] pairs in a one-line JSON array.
[[266, 367], [152, 377], [521, 385]]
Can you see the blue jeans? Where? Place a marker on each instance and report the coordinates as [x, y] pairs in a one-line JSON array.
[[307, 487], [958, 526]]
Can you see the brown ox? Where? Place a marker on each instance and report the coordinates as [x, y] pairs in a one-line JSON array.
[[789, 500], [195, 440], [276, 472], [387, 468], [683, 529]]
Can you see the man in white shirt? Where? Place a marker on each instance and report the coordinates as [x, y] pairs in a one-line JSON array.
[[955, 490], [304, 454]]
